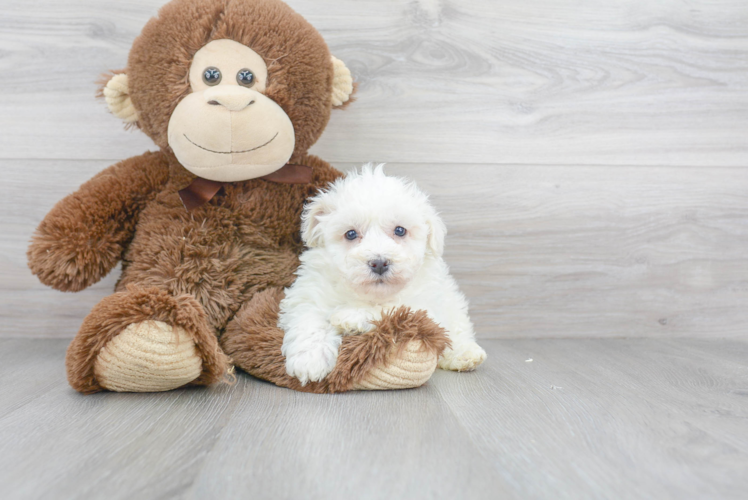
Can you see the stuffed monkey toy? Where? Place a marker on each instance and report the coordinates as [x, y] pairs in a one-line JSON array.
[[233, 93]]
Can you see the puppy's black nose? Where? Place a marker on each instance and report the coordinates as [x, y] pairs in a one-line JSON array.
[[379, 266]]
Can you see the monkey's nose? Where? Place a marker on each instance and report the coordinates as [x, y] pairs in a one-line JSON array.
[[379, 266], [231, 97]]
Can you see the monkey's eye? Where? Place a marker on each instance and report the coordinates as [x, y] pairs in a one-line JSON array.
[[212, 76], [245, 77], [351, 235], [400, 231]]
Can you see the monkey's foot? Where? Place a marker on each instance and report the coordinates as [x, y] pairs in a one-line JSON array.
[[408, 367], [150, 356], [144, 340]]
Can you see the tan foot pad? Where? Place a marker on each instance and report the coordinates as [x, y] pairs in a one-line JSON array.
[[412, 367], [150, 356]]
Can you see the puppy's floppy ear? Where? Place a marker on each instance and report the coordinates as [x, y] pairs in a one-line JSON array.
[[437, 233], [116, 91], [317, 207]]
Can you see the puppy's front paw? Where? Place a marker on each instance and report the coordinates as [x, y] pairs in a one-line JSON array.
[[352, 321], [313, 363], [462, 357]]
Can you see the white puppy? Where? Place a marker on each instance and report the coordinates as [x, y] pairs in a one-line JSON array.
[[375, 243]]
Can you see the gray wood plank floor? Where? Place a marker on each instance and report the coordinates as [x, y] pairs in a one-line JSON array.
[[587, 418]]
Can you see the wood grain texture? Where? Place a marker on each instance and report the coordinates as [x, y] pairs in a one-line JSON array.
[[541, 82], [592, 418], [540, 251], [649, 410]]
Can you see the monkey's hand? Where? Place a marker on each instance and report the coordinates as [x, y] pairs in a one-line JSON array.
[[84, 236]]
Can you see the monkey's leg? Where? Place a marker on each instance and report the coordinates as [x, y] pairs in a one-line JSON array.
[[144, 340], [400, 352]]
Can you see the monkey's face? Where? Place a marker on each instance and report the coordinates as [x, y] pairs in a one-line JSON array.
[[227, 129], [197, 82]]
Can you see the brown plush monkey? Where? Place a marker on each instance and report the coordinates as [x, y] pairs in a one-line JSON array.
[[233, 92]]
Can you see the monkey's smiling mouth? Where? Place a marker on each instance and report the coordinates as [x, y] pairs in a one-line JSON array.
[[230, 152]]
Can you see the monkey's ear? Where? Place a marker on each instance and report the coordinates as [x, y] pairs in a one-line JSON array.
[[116, 92], [342, 84]]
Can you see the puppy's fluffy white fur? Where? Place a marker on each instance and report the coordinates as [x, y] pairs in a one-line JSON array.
[[338, 293]]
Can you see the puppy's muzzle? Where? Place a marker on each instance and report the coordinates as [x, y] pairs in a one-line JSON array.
[[379, 266]]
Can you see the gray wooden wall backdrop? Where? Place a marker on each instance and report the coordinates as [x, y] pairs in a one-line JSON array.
[[590, 157]]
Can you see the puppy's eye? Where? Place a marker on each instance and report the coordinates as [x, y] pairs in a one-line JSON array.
[[351, 235], [212, 76], [400, 231], [245, 77]]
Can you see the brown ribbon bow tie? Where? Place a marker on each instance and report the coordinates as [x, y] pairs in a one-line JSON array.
[[201, 191]]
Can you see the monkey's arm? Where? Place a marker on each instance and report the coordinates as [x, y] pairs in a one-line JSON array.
[[84, 235]]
